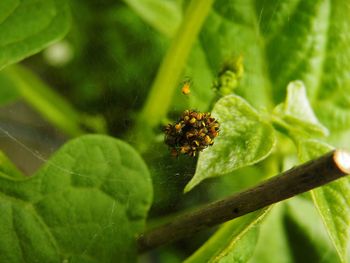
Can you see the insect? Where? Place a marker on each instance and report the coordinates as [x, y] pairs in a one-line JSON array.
[[191, 133], [186, 87]]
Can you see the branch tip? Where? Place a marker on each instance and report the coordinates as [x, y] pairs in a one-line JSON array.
[[342, 160]]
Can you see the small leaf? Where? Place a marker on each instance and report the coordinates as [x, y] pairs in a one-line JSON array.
[[331, 200], [85, 205], [244, 139], [297, 113], [235, 241], [21, 35], [297, 105]]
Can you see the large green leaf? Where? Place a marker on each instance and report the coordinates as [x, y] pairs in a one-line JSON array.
[[232, 30], [28, 26], [284, 41], [85, 205], [333, 100], [294, 232], [332, 200], [244, 139], [235, 241], [295, 38]]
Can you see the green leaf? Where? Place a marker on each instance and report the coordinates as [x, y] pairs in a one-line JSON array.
[[333, 100], [295, 35], [294, 232], [309, 40], [311, 148], [244, 139], [48, 103], [297, 113], [85, 205], [7, 168], [234, 242], [232, 30], [331, 200], [307, 236], [283, 41], [28, 26], [273, 241]]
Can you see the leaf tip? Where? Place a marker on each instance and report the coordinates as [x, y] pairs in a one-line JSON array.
[[190, 185]]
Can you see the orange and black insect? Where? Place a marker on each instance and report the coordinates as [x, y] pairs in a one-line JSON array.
[[192, 133], [186, 87]]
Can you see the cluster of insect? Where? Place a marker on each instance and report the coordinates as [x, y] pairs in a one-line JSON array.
[[192, 133]]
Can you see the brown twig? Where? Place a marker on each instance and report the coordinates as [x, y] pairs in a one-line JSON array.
[[305, 177]]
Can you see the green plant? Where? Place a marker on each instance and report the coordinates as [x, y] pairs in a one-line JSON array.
[[275, 74]]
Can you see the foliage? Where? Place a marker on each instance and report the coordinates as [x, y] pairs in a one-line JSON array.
[[245, 139], [89, 201], [85, 205], [233, 242], [21, 35]]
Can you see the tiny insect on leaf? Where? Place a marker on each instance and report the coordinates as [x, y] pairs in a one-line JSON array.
[[186, 87]]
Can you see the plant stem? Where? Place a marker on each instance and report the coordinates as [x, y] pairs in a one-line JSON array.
[[297, 180], [50, 104], [160, 96]]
